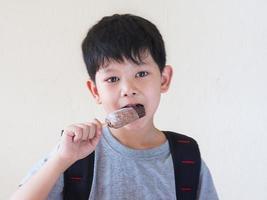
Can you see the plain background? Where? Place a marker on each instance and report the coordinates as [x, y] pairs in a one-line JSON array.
[[218, 49]]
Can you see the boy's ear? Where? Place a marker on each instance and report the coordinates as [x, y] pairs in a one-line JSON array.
[[93, 89], [166, 77]]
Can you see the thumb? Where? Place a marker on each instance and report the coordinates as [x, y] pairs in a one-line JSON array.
[[96, 139]]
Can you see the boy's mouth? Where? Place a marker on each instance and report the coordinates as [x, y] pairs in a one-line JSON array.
[[133, 105], [139, 108], [125, 115]]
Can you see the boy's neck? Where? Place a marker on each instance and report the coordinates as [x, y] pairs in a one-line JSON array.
[[145, 138]]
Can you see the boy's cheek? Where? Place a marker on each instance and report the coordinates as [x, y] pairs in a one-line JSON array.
[[109, 101]]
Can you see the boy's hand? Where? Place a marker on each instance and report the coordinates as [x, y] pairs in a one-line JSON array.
[[79, 140]]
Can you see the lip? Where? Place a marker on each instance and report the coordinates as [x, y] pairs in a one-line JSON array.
[[132, 104]]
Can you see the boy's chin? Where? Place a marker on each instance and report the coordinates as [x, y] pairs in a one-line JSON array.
[[136, 125]]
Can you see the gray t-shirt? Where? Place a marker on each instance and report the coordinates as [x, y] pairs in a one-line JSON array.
[[122, 173]]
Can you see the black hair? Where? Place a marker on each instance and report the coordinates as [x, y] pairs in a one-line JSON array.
[[122, 36]]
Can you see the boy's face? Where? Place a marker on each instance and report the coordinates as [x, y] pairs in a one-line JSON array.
[[122, 84]]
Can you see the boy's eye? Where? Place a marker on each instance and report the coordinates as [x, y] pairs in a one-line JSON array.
[[142, 74], [112, 79]]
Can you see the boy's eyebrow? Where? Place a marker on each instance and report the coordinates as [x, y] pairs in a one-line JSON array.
[[108, 69]]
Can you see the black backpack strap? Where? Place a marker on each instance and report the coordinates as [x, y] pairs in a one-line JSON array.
[[78, 179], [187, 162]]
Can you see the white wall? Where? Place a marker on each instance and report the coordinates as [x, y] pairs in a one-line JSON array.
[[218, 95]]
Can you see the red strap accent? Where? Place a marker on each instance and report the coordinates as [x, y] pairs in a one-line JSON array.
[[183, 141], [186, 189], [188, 162], [76, 178]]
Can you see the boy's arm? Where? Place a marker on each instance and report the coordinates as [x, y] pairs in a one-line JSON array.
[[77, 142], [41, 183]]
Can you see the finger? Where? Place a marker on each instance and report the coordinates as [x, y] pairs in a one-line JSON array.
[[67, 135], [78, 132], [92, 130], [74, 131], [98, 127], [86, 131], [97, 137], [67, 132]]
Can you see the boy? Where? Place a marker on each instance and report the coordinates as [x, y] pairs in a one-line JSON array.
[[125, 58]]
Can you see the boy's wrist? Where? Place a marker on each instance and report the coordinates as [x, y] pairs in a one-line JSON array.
[[61, 163]]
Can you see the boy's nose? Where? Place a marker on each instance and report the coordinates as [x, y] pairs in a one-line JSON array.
[[128, 89], [129, 94]]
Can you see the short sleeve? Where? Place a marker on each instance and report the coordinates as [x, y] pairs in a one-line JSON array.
[[206, 188]]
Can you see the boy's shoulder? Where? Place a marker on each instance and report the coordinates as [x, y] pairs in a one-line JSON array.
[[178, 138], [187, 163]]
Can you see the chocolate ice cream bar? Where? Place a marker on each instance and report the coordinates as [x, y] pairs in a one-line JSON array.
[[124, 116]]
